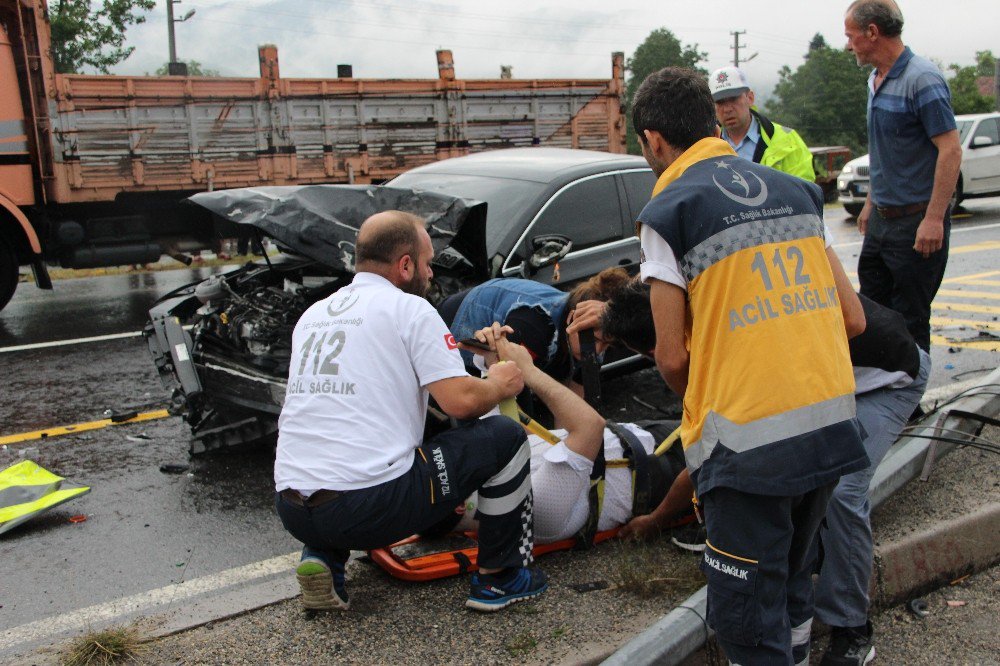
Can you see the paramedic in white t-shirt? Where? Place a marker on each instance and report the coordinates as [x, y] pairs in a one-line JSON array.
[[352, 471]]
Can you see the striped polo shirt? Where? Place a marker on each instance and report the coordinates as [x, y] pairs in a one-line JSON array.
[[911, 106]]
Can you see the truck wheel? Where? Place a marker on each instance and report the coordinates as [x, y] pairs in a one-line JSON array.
[[853, 209], [8, 271]]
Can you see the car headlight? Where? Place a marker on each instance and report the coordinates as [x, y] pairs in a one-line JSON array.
[[847, 169], [841, 184]]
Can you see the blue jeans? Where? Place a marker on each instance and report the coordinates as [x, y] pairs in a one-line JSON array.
[[842, 588], [490, 456], [893, 274]]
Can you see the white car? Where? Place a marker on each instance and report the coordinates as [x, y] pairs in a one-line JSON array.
[[979, 135]]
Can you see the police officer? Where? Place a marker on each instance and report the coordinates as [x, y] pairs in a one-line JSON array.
[[751, 134]]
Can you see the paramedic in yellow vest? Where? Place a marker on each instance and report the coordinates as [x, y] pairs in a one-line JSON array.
[[751, 134], [752, 312]]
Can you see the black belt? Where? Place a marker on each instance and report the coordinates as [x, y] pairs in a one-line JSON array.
[[889, 212], [318, 498]]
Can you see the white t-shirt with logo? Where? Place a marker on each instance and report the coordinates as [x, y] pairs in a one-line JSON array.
[[356, 398]]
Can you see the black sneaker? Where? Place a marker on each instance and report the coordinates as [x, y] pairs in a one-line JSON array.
[[488, 592], [850, 646], [691, 537]]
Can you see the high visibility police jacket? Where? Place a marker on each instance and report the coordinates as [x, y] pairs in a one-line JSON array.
[[783, 149], [769, 407]]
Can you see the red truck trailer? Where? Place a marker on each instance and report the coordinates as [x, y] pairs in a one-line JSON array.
[[93, 168]]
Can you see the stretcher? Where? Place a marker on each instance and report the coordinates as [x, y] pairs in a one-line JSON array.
[[419, 559]]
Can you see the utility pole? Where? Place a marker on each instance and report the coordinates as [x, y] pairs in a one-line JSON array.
[[736, 48], [175, 68], [996, 83]]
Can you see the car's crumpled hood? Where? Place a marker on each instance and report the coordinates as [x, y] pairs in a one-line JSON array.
[[321, 221]]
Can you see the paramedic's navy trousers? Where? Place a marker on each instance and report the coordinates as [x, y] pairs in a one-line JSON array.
[[757, 563], [490, 456]]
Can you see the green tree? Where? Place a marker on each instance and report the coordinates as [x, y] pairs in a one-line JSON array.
[[87, 34], [660, 49], [195, 68], [965, 95], [824, 98]]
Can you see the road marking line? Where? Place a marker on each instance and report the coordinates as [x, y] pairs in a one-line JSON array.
[[975, 247], [962, 278], [99, 613], [968, 294], [976, 283], [971, 323], [77, 341], [981, 345], [953, 232], [965, 307], [80, 427]]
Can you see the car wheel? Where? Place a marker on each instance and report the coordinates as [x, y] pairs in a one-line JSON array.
[[956, 198], [853, 209], [8, 271]]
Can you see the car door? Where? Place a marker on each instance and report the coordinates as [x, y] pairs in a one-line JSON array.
[[981, 158], [589, 212]]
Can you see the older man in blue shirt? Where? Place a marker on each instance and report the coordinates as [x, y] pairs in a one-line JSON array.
[[915, 158]]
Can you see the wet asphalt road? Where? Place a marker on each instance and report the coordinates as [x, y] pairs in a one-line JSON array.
[[146, 529]]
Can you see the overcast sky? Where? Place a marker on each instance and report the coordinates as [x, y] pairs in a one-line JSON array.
[[548, 39]]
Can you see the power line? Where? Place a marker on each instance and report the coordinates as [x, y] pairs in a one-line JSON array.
[[736, 48]]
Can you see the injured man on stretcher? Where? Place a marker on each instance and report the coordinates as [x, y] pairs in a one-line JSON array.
[[635, 481]]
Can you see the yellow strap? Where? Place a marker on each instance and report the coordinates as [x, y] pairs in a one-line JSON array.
[[668, 442]]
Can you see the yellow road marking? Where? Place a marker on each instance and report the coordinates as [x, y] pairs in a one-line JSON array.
[[978, 283], [981, 345], [975, 247], [965, 307], [968, 294], [963, 278], [80, 427], [971, 323]]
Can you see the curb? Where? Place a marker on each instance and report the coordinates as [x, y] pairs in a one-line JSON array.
[[921, 562], [683, 631]]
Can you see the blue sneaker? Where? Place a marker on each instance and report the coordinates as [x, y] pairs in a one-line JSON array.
[[489, 593], [323, 584]]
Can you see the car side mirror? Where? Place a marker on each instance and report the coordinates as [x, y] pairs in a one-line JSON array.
[[547, 250], [981, 142]]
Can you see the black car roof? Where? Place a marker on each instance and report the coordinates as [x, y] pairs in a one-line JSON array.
[[542, 165]]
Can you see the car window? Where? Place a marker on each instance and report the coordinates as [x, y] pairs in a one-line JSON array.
[[588, 212], [988, 128], [507, 199], [638, 189], [963, 129]]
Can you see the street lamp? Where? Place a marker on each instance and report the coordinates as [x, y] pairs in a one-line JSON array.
[[175, 68]]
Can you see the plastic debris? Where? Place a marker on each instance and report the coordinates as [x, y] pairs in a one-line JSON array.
[[955, 603], [79, 518], [173, 468], [919, 608]]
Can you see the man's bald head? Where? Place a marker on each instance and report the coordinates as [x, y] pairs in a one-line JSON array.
[[396, 246], [385, 237]]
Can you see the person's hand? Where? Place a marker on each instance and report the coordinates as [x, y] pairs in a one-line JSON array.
[[586, 315], [863, 216], [508, 378], [930, 236], [515, 353], [640, 527], [487, 336]]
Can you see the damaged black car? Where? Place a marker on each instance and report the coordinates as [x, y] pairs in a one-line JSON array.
[[223, 344]]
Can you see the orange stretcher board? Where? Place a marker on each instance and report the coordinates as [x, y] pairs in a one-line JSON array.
[[416, 559]]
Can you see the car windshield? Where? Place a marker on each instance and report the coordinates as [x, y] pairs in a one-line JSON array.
[[506, 198], [963, 129]]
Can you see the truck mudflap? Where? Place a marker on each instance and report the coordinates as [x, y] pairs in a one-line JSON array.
[[170, 346]]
